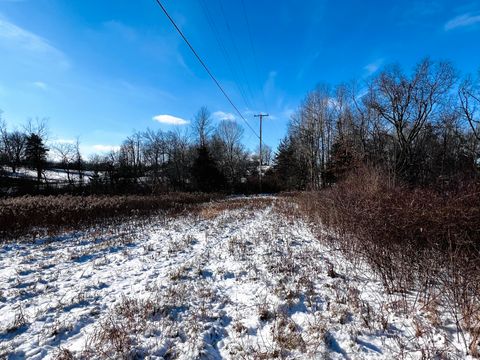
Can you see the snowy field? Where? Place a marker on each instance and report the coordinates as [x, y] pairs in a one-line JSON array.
[[52, 175], [226, 282]]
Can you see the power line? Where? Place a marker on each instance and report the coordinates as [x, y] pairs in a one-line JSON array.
[[204, 65], [225, 52], [261, 116], [238, 55], [254, 53]]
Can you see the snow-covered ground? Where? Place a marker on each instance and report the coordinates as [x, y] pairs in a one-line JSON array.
[[226, 282], [52, 175]]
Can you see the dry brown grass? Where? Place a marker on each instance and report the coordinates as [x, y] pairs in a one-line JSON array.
[[214, 209], [208, 213], [51, 214]]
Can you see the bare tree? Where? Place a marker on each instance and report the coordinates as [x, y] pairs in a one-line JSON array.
[[231, 155], [131, 156], [407, 103], [313, 130], [266, 154], [66, 154], [155, 153], [202, 126], [469, 94], [97, 164], [37, 126], [112, 162], [18, 142], [178, 158], [12, 146]]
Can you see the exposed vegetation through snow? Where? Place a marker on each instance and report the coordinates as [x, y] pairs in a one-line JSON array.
[[236, 279]]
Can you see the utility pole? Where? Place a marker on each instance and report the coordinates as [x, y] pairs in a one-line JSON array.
[[260, 155]]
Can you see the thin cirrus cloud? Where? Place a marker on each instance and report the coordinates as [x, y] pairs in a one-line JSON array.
[[22, 39], [40, 85], [105, 148], [373, 67], [464, 20], [127, 32], [221, 115], [170, 120], [66, 141]]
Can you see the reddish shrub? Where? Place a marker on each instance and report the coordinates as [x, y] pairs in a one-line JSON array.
[[421, 239], [21, 215]]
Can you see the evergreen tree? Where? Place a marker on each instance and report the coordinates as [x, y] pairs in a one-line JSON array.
[[205, 172], [36, 153], [341, 161], [288, 168]]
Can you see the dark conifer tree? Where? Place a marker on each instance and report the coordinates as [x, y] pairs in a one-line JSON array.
[[36, 153], [206, 174], [341, 161], [288, 169]]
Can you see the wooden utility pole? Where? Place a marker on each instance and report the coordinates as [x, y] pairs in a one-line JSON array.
[[260, 155]]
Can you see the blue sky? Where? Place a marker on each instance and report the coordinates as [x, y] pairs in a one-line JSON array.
[[101, 69]]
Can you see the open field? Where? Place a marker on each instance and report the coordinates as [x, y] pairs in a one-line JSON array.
[[233, 279]]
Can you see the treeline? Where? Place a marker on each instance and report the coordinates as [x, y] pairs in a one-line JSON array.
[[206, 158], [22, 148], [420, 127]]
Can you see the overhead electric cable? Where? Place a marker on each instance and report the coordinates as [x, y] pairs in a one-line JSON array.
[[205, 66], [254, 53], [237, 52], [225, 52]]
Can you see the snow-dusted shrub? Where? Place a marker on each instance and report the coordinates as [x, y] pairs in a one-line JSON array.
[[422, 239]]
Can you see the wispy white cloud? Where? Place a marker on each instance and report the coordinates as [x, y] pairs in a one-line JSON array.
[[251, 113], [464, 20], [269, 86], [373, 67], [170, 120], [221, 115], [40, 85], [105, 148], [183, 64], [127, 32], [20, 38], [65, 141], [288, 112]]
